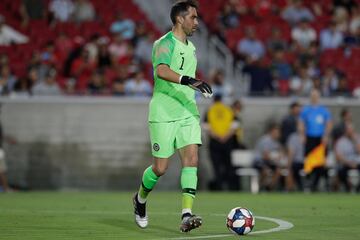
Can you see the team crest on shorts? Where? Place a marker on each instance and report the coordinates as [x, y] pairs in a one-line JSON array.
[[156, 147]]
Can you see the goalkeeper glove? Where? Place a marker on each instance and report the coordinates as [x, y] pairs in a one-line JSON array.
[[197, 85]]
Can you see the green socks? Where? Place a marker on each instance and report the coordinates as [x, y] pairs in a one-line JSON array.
[[149, 180], [188, 185]]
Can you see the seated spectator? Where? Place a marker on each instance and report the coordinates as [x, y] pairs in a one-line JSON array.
[[353, 40], [238, 139], [281, 69], [81, 69], [276, 42], [250, 45], [267, 157], [296, 12], [32, 9], [303, 34], [341, 18], [104, 58], [229, 18], [83, 11], [118, 88], [61, 10], [119, 47], [346, 4], [138, 86], [347, 152], [330, 81], [92, 47], [7, 80], [143, 49], [123, 26], [261, 81], [295, 153], [301, 84], [343, 87], [355, 19], [63, 46], [9, 35], [48, 87], [330, 37], [339, 128], [22, 88], [263, 8], [96, 85]]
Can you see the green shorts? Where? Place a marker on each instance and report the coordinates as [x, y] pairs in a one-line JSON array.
[[166, 137]]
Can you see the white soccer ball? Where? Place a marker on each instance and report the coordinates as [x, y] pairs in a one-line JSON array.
[[240, 221]]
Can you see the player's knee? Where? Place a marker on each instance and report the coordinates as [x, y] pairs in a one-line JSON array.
[[159, 170]]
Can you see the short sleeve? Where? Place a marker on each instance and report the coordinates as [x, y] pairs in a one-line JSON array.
[[163, 51]]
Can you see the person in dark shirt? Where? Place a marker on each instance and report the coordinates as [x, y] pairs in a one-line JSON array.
[[289, 123], [339, 128]]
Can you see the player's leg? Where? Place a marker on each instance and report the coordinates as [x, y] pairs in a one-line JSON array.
[[187, 140], [189, 159], [162, 141]]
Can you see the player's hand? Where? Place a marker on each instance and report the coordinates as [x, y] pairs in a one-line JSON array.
[[197, 85]]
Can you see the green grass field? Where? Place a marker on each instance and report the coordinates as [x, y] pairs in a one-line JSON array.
[[102, 215]]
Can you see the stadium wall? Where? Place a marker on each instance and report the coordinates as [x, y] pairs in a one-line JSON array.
[[103, 143]]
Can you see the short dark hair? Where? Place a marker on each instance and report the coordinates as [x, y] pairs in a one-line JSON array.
[[180, 7], [343, 112], [294, 105]]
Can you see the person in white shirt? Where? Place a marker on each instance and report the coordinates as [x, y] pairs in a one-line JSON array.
[[9, 35]]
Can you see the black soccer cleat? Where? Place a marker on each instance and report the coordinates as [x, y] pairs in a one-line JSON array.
[[141, 218], [190, 223]]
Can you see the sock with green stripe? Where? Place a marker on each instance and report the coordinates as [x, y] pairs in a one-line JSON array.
[[149, 181], [188, 185]]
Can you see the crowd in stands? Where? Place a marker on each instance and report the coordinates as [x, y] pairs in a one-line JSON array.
[[75, 47], [288, 47]]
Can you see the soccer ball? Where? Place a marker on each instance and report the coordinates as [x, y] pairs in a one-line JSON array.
[[240, 221]]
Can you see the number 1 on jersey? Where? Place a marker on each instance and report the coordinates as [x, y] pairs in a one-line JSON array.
[[182, 63]]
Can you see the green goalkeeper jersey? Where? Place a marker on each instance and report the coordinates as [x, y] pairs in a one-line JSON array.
[[172, 101]]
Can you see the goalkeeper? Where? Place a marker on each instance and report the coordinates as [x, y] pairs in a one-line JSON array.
[[174, 120]]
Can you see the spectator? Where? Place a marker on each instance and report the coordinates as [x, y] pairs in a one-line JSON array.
[[81, 69], [7, 80], [22, 88], [218, 85], [9, 36], [347, 152], [330, 37], [267, 157], [301, 84], [4, 59], [250, 45], [315, 126], [92, 47], [261, 81], [104, 58], [138, 86], [143, 49], [276, 42], [346, 4], [119, 81], [343, 88], [221, 126], [119, 47], [229, 18], [339, 128], [123, 26], [353, 40], [63, 46], [296, 12], [32, 9], [83, 11], [330, 82], [355, 19], [49, 87], [61, 10], [289, 122], [281, 71], [341, 18], [303, 35], [96, 85]]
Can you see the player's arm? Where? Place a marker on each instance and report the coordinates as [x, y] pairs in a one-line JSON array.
[[164, 72]]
